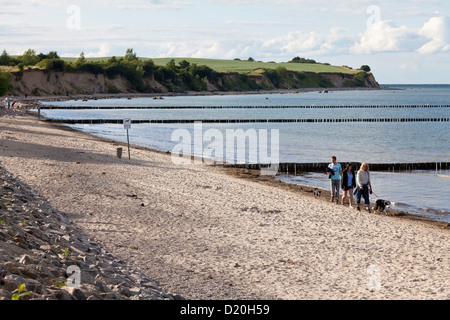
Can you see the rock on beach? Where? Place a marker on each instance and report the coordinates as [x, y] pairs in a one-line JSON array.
[[39, 247]]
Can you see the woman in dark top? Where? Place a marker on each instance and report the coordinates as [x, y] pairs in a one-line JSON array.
[[348, 183]]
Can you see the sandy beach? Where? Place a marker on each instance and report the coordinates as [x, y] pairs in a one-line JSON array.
[[205, 234]]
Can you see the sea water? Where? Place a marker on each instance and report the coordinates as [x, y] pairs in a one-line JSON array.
[[421, 192]]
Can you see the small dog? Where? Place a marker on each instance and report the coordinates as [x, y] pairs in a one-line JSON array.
[[381, 205], [317, 192]]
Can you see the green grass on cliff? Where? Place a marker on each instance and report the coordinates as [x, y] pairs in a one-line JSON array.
[[245, 67], [248, 66]]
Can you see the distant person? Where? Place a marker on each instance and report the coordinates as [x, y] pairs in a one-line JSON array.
[[348, 183], [9, 103], [335, 172], [363, 186]]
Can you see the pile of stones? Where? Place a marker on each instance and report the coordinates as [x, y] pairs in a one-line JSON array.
[[43, 256]]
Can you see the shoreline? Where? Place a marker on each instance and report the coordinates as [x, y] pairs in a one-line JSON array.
[[326, 194], [209, 233], [95, 96]]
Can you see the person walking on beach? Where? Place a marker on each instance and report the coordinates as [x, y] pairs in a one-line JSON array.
[[335, 179], [348, 183], [363, 186]]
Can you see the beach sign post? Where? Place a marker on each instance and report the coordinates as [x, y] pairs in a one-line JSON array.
[[127, 126]]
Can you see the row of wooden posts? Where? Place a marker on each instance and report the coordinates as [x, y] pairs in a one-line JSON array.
[[245, 107], [120, 121], [294, 168]]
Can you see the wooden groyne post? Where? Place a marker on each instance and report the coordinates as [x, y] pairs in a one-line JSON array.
[[296, 168]]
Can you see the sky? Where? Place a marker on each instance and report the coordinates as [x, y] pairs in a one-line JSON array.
[[404, 41]]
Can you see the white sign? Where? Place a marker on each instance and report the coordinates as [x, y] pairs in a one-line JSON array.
[[127, 123]]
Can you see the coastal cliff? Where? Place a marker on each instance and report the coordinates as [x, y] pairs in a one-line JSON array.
[[38, 82]]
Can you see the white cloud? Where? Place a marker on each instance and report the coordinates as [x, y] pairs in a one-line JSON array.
[[382, 36], [103, 52], [436, 29], [204, 49], [296, 41], [312, 43]]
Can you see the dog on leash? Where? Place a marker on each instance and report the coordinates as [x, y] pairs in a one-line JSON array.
[[381, 205], [317, 192]]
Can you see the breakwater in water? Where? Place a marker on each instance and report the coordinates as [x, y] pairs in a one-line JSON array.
[[294, 168], [51, 107], [120, 121]]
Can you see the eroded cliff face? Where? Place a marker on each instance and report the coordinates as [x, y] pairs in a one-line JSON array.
[[37, 82], [371, 82], [41, 82], [342, 80]]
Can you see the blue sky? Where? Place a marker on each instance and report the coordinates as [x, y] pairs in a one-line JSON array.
[[403, 41]]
